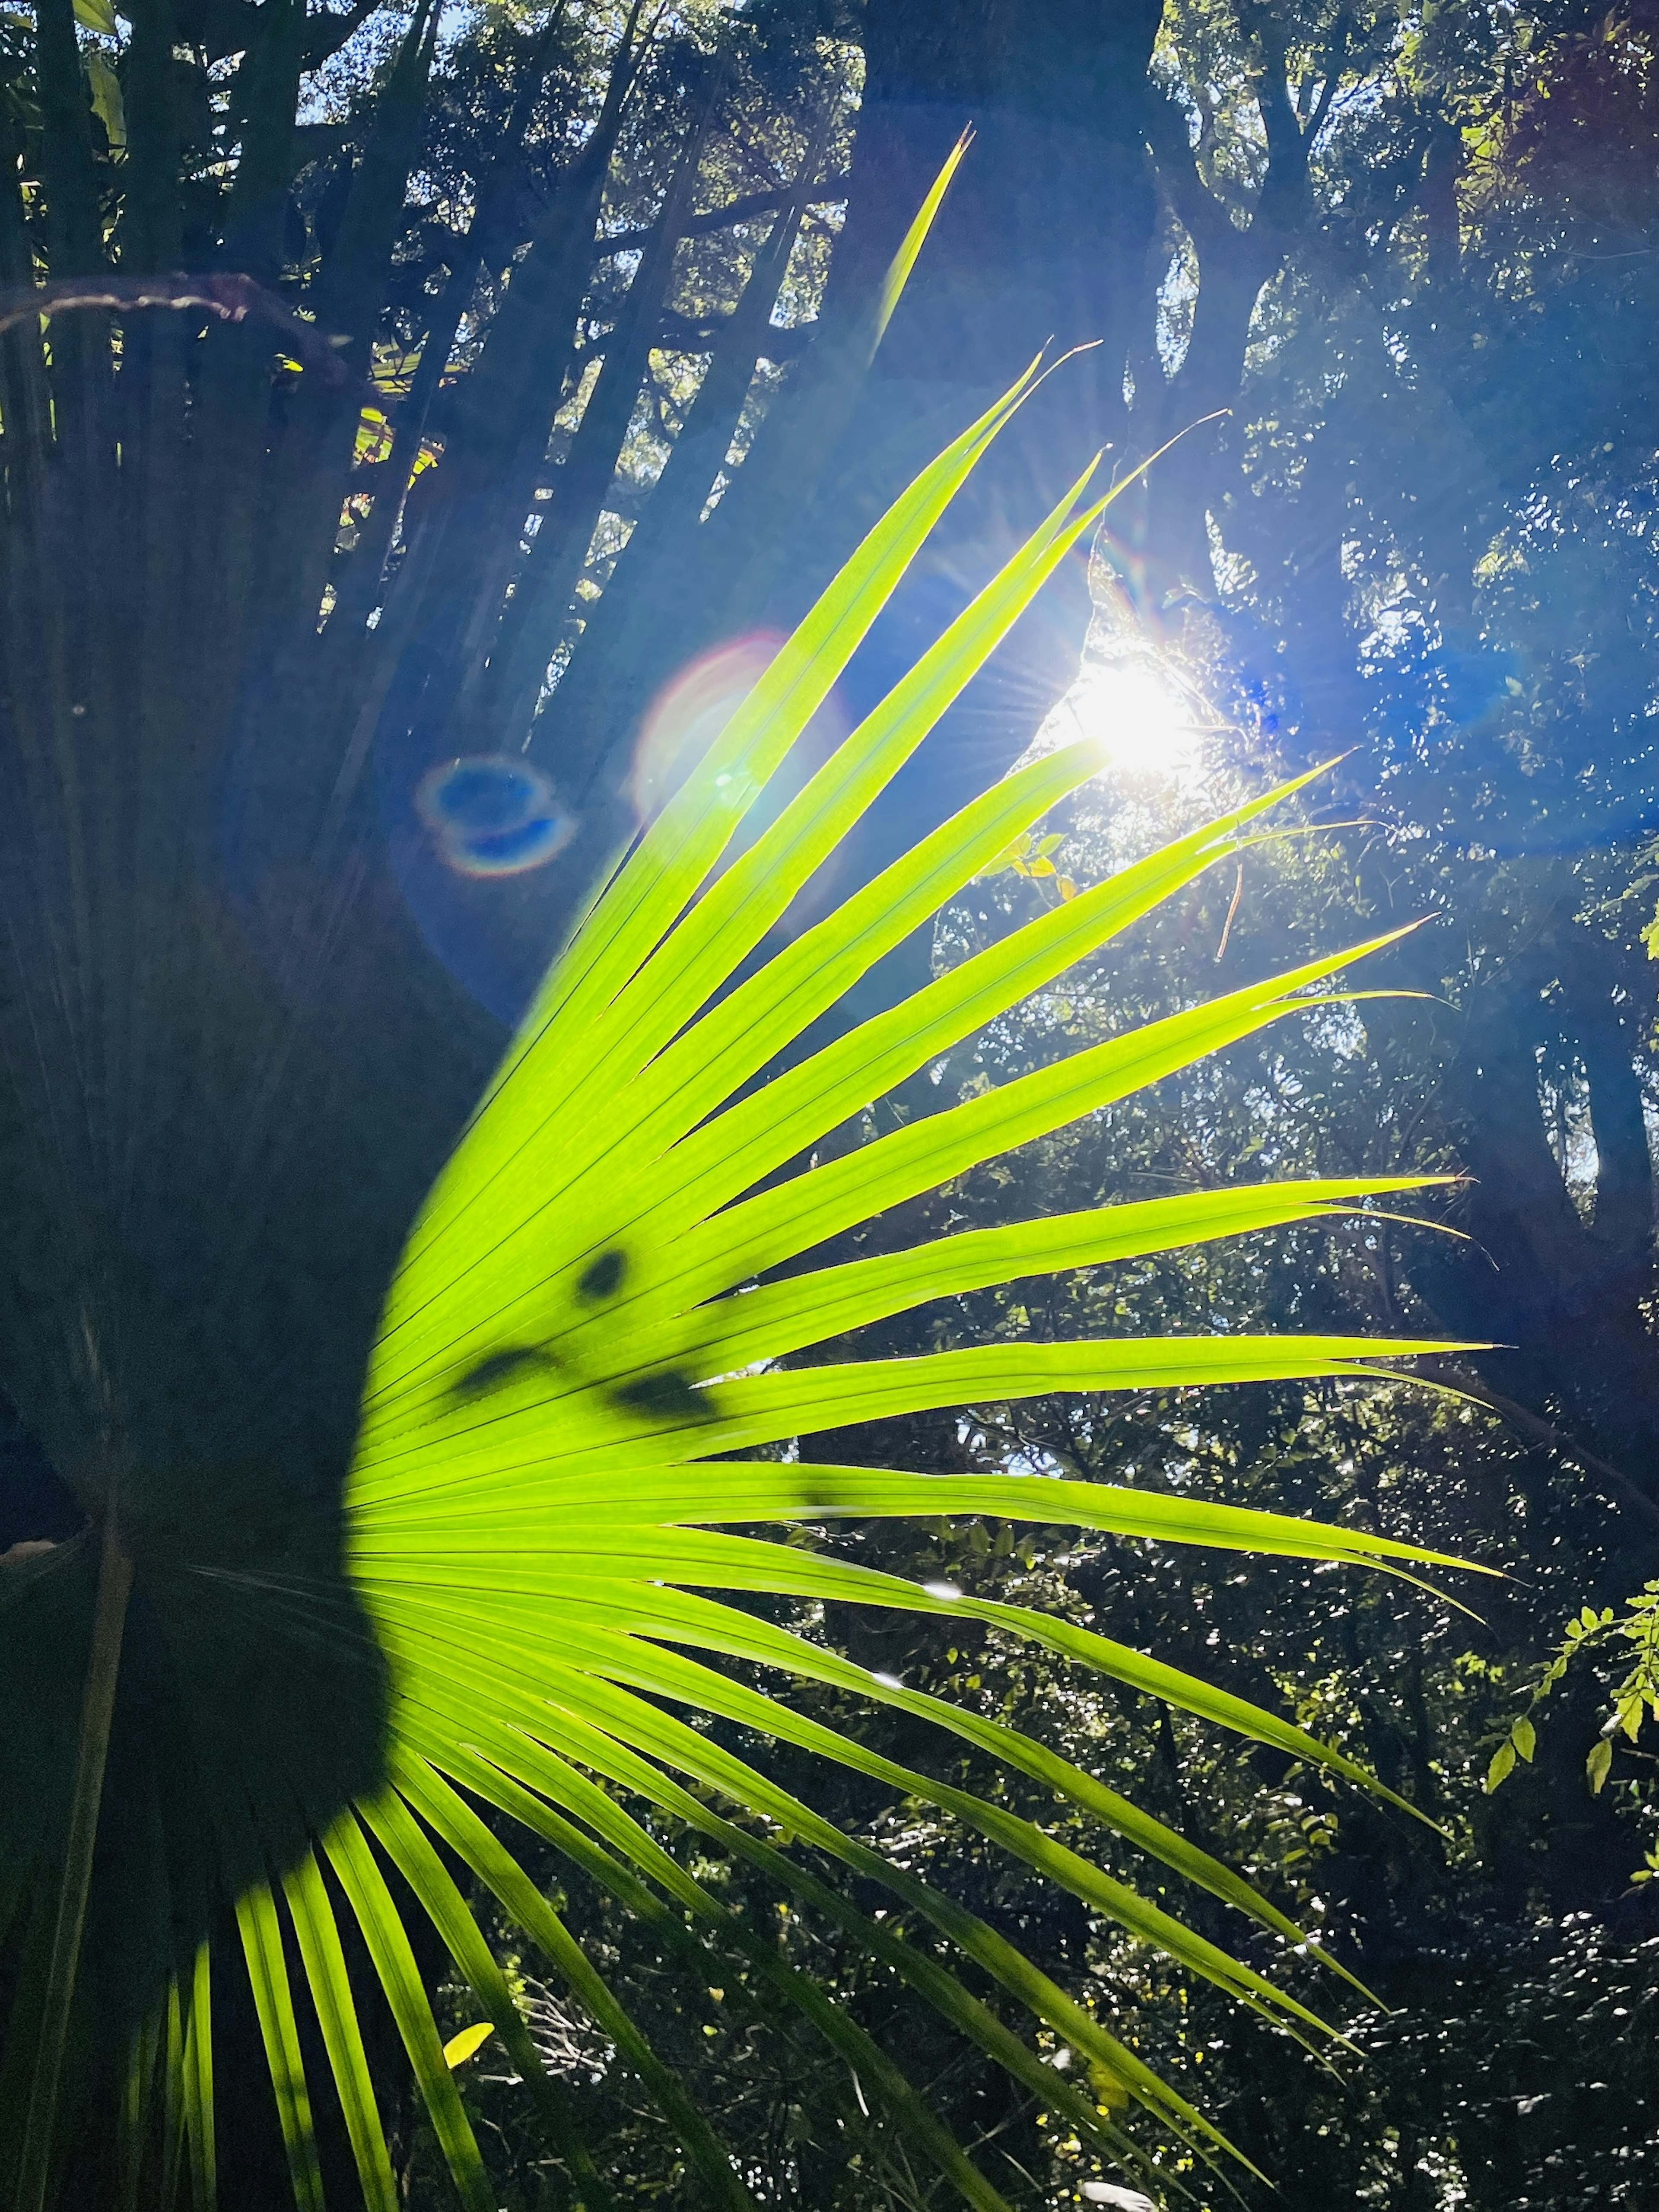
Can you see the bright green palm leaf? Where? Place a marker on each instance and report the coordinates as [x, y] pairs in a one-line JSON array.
[[508, 1785], [620, 1660], [694, 1621], [592, 1613], [778, 1318], [616, 1660], [411, 1849], [941, 1989], [466, 1834], [652, 887], [561, 1349], [611, 1755], [497, 1785], [200, 2133], [766, 1408], [777, 1004], [615, 1420], [508, 1259], [320, 1949], [273, 2000], [497, 1870], [681, 1226], [388, 1945], [562, 1604], [693, 1492], [738, 907], [517, 1752], [173, 2078]]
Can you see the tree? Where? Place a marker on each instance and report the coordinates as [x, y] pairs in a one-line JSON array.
[[1429, 524]]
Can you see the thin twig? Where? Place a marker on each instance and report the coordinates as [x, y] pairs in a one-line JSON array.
[[1227, 925]]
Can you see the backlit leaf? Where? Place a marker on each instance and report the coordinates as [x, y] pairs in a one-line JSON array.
[[459, 2048]]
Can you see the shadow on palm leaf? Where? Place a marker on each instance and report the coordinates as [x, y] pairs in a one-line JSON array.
[[347, 1671]]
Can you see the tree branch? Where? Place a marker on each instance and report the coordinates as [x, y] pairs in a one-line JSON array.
[[738, 210], [1201, 214], [1335, 54], [1535, 1430], [231, 297]]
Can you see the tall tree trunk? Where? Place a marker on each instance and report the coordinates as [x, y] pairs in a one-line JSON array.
[[1041, 241]]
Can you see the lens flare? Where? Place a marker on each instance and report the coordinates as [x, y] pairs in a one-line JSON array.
[[491, 814], [1140, 718], [689, 713]]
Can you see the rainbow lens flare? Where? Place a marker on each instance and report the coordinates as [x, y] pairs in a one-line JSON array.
[[491, 814], [689, 713]]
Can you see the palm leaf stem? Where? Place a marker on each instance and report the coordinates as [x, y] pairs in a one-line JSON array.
[[91, 1758]]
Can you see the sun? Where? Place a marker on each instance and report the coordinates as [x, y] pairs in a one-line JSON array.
[[1142, 720]]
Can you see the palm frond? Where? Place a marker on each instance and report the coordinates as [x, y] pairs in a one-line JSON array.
[[543, 1540], [578, 1327]]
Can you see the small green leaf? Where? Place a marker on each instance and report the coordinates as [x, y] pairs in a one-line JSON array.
[[1524, 1736], [1599, 1763], [106, 98], [1502, 1766], [97, 15], [470, 2040], [1010, 856]]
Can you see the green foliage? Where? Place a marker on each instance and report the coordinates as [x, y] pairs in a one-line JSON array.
[[1033, 857], [572, 1347], [1635, 1696]]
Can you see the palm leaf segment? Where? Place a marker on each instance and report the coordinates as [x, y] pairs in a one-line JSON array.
[[534, 1516]]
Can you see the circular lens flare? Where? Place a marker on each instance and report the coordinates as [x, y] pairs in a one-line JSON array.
[[690, 711], [491, 814]]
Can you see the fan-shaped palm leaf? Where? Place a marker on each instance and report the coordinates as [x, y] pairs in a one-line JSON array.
[[587, 1318]]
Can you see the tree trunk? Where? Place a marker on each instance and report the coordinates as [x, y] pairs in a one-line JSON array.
[[1041, 241]]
